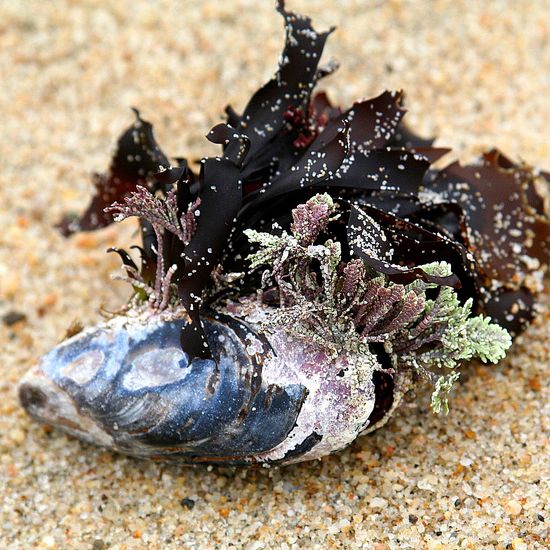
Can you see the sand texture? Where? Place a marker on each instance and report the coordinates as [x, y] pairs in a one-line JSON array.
[[477, 74]]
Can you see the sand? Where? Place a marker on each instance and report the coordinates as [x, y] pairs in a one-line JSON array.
[[476, 74]]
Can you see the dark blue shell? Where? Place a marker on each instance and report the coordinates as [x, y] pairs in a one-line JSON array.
[[217, 410]]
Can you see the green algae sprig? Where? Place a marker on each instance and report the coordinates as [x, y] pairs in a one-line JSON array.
[[346, 307]]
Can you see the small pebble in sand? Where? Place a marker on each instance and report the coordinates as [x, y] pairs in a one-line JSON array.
[[378, 502], [17, 436], [519, 544], [48, 542], [188, 503], [513, 507], [13, 317]]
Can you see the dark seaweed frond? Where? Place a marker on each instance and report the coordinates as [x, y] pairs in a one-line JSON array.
[[397, 213], [135, 162], [501, 218]]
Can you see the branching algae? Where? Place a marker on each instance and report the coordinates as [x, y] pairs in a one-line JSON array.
[[291, 292]]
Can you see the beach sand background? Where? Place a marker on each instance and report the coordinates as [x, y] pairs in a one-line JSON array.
[[477, 75]]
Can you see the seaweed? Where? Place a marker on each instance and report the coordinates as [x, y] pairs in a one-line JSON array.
[[136, 160], [488, 221], [345, 307]]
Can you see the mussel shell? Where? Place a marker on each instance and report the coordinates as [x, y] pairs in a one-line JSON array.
[[128, 385]]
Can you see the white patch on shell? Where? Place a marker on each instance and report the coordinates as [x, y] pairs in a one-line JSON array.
[[85, 367], [337, 407], [155, 368]]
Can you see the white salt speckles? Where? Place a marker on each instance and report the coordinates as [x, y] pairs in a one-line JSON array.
[[253, 345]]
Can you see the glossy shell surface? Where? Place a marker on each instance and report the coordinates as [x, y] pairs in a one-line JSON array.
[[127, 385]]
